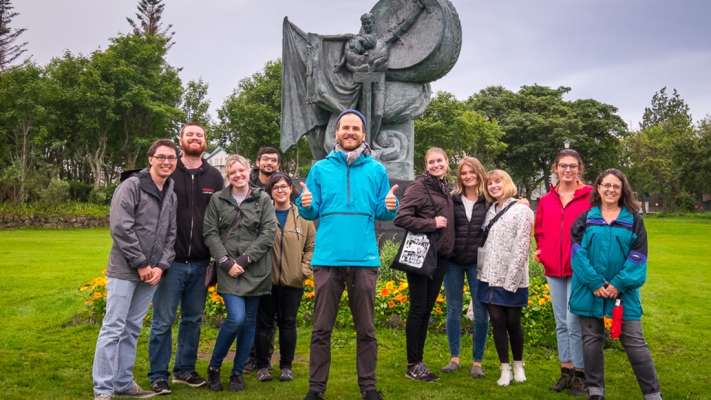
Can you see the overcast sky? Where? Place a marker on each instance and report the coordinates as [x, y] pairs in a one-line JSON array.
[[615, 51]]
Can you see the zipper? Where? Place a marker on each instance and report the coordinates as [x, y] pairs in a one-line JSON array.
[[192, 215], [348, 184]]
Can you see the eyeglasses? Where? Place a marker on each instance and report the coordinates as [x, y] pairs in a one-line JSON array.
[[568, 166], [609, 186], [163, 157], [280, 188]]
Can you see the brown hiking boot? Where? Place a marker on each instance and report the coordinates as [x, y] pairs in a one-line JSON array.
[[566, 375]]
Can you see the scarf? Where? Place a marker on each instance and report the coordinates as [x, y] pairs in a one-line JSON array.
[[353, 155]]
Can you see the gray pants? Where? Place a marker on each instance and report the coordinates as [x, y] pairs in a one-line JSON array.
[[126, 306], [637, 352], [330, 283]]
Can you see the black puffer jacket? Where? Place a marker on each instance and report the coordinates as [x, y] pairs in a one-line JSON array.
[[425, 199], [467, 233]]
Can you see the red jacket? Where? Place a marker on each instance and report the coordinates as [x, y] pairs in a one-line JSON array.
[[552, 229]]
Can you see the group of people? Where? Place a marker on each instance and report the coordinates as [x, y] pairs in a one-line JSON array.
[[176, 223]]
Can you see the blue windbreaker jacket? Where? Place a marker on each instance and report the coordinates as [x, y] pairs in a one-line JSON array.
[[347, 200]]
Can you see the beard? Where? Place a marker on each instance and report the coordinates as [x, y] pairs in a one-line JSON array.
[[266, 173], [189, 150]]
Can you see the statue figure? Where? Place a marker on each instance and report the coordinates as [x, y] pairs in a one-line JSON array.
[[384, 71]]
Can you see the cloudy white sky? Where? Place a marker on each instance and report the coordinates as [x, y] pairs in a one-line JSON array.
[[616, 51]]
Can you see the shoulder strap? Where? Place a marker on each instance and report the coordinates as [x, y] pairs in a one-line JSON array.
[[497, 216]]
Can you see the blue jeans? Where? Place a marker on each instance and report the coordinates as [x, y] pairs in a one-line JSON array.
[[453, 289], [241, 324], [567, 324], [183, 283], [126, 306]]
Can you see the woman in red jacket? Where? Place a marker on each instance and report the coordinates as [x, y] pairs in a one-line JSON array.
[[555, 214]]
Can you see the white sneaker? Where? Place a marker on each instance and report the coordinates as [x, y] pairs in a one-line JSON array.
[[505, 378], [519, 375]]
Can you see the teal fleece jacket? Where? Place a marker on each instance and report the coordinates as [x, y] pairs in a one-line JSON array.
[[603, 253]]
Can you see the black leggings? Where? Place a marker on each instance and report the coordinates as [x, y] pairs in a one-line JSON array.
[[506, 322], [423, 295]]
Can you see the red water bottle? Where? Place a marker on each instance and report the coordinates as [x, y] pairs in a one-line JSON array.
[[617, 314]]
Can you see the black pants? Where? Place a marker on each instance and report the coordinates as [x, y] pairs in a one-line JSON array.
[[423, 294], [278, 309], [506, 322]]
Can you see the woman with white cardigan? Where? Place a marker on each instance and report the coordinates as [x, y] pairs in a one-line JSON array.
[[503, 271]]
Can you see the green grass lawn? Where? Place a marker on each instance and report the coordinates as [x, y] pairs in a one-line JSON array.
[[45, 354]]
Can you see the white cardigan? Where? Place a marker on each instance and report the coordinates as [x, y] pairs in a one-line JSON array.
[[505, 254]]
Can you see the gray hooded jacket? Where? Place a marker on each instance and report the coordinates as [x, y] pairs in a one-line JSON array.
[[142, 224]]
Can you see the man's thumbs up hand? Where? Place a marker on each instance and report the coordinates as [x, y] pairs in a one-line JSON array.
[[390, 199], [306, 198]]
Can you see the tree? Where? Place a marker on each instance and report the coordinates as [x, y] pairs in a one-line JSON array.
[[665, 109], [658, 155], [144, 89], [447, 123], [538, 122], [250, 116], [195, 104], [9, 50], [148, 21], [22, 114]]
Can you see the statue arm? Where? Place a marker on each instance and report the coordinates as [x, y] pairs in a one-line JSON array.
[[404, 25]]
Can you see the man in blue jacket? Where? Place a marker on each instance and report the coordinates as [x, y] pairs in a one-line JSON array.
[[347, 191]]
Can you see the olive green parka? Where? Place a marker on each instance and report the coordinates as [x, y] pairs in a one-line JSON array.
[[248, 230]]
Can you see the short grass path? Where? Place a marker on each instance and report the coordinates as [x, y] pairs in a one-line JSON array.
[[44, 355]]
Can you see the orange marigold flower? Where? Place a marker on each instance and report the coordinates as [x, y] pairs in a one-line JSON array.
[[309, 282], [608, 323], [541, 301], [440, 298], [310, 295], [384, 292], [530, 302], [391, 304]]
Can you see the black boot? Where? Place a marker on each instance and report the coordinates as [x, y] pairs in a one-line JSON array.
[[566, 376], [577, 384], [213, 380], [236, 383]]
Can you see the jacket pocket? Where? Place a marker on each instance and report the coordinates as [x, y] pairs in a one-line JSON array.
[[347, 237]]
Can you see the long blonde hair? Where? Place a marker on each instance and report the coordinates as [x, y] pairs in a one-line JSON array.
[[479, 170]]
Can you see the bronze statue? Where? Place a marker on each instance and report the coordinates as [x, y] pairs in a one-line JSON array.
[[384, 71]]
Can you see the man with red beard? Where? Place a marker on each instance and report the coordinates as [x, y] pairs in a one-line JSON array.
[[195, 182]]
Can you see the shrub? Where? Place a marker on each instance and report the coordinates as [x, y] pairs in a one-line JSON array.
[[56, 192], [79, 191], [391, 304], [102, 195]]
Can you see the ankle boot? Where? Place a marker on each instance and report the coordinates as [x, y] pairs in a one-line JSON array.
[[577, 384], [213, 379], [519, 375], [566, 375], [505, 378]]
